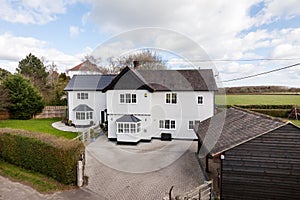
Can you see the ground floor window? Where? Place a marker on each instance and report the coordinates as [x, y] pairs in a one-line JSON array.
[[84, 115], [191, 124], [124, 127], [167, 124]]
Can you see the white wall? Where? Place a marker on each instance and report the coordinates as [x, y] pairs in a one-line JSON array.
[[141, 107], [96, 100], [141, 110], [153, 108], [186, 109]]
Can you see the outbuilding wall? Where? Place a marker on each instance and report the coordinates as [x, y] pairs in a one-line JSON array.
[[267, 167]]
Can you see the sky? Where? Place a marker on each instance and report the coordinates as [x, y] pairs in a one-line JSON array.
[[236, 38]]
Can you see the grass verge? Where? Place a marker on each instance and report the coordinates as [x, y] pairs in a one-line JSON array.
[[37, 125], [35, 180]]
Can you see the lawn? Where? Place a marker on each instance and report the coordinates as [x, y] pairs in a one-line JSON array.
[[279, 99], [296, 122], [37, 125]]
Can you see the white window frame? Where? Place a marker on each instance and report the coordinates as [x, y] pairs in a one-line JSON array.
[[82, 95], [193, 124], [128, 127], [202, 100], [167, 124], [171, 98], [83, 115], [128, 98], [122, 98], [89, 115]]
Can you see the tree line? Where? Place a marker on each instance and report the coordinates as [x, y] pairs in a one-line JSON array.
[[33, 86]]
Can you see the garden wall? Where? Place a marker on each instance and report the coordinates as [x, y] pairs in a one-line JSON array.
[[52, 112]]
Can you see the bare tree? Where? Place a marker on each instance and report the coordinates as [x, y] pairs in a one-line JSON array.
[[147, 59]]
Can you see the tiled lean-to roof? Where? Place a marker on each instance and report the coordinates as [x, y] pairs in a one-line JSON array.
[[233, 127]]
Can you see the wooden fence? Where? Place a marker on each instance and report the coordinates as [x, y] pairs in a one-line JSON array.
[[52, 112], [203, 192], [4, 114], [89, 135]]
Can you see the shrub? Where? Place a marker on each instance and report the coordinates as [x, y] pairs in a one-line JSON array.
[[283, 113], [53, 156], [265, 106]]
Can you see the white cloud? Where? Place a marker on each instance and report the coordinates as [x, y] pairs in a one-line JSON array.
[[275, 10], [32, 11], [13, 49], [75, 31]]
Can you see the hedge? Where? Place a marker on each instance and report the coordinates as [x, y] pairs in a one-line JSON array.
[[53, 156], [282, 113], [265, 106]]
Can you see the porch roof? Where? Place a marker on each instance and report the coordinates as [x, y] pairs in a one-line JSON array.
[[128, 118], [83, 108]]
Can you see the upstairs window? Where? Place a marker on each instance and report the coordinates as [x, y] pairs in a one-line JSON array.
[[191, 124], [82, 95], [171, 98], [200, 100], [128, 98]]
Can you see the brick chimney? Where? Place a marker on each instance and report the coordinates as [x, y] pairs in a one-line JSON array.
[[136, 64]]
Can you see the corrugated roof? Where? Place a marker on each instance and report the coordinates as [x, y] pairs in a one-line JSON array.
[[180, 80], [85, 66], [128, 118], [233, 127], [89, 82], [83, 108]]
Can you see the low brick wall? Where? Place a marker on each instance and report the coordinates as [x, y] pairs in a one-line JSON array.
[[52, 112]]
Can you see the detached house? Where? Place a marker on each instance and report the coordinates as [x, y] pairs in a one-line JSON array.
[[146, 104]]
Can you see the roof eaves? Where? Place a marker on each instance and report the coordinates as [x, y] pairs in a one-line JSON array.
[[247, 140]]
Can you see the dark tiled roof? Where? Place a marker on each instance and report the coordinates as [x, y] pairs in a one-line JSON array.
[[233, 127], [180, 80], [89, 82], [128, 118], [128, 79], [85, 66], [83, 108]]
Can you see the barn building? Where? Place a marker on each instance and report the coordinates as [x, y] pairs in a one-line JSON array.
[[250, 155]]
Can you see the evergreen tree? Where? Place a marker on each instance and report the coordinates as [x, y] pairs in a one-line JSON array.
[[33, 68], [25, 100]]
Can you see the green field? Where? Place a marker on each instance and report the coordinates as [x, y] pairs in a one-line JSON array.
[[37, 125], [279, 99]]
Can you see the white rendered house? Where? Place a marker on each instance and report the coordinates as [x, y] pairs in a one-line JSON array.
[[86, 101], [146, 104]]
